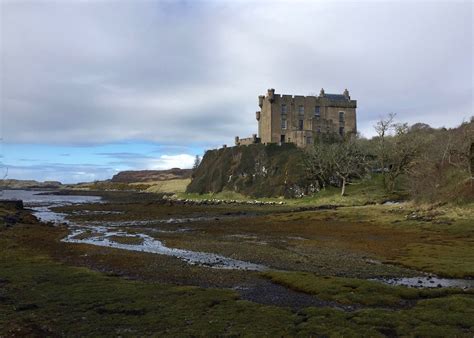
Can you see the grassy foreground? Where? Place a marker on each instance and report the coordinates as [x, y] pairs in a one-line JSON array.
[[46, 290], [42, 297]]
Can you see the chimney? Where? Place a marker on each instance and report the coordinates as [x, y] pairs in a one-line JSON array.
[[346, 94], [271, 94]]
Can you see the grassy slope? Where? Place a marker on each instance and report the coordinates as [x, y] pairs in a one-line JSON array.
[[168, 186], [360, 192]]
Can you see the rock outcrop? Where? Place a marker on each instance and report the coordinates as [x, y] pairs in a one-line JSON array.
[[256, 170]]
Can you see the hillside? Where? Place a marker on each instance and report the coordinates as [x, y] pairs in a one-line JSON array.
[[255, 170], [28, 184], [133, 176]]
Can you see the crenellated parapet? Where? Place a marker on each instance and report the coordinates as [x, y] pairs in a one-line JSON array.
[[302, 119]]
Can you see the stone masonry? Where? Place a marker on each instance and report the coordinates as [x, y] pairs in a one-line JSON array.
[[302, 119]]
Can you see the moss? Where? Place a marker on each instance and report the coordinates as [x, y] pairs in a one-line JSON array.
[[44, 293], [452, 259], [354, 291]]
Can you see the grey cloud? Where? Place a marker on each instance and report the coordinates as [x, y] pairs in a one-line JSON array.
[[181, 72]]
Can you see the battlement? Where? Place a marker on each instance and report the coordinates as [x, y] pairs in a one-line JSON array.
[[300, 119]]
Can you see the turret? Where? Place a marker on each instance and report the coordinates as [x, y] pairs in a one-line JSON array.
[[321, 93], [257, 115], [271, 94], [260, 100], [237, 141]]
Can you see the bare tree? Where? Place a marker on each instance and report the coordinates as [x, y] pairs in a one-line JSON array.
[[383, 128], [348, 161], [401, 152], [336, 162], [318, 166]]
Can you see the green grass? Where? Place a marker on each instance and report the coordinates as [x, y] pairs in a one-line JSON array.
[[40, 296], [352, 291], [452, 259], [359, 192]]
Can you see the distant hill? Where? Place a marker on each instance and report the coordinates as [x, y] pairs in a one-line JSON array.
[[29, 184], [133, 176]]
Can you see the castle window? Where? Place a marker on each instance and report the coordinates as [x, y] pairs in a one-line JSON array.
[[341, 116], [341, 131], [300, 124], [318, 130], [284, 123], [309, 140], [317, 112], [284, 109], [300, 110]]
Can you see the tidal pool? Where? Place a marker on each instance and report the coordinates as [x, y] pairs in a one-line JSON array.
[[429, 282]]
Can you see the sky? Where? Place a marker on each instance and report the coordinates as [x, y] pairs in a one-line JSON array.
[[90, 88]]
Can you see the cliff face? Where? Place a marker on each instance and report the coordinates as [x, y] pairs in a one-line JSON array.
[[132, 176], [255, 170]]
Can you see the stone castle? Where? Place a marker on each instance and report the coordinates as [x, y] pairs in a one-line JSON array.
[[302, 119]]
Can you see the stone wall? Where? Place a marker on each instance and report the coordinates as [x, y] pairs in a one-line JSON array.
[[303, 108]]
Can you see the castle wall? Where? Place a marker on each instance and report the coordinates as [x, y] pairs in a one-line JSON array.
[[303, 125]]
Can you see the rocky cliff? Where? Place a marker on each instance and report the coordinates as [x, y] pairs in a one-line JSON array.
[[256, 170]]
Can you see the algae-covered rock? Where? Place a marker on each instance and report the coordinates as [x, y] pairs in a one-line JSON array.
[[256, 170]]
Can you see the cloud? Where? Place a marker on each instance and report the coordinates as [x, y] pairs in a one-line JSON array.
[[73, 173], [140, 161], [66, 173], [185, 73], [173, 161]]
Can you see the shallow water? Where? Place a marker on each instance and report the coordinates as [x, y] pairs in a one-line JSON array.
[[102, 236], [42, 204], [429, 282], [102, 232], [146, 222]]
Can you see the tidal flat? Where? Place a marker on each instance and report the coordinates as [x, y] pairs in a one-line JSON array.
[[320, 272]]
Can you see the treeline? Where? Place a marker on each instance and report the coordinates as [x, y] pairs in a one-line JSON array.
[[426, 163]]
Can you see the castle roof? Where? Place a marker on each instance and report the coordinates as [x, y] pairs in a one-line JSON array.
[[335, 96]]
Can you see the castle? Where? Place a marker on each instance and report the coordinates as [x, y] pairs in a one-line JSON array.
[[302, 119]]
